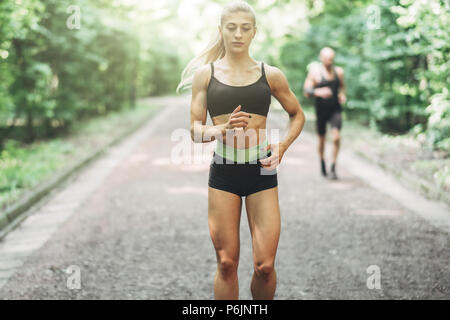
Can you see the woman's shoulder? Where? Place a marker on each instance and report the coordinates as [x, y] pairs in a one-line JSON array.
[[272, 70], [203, 74], [204, 69], [273, 74]]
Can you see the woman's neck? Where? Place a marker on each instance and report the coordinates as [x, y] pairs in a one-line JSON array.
[[239, 61]]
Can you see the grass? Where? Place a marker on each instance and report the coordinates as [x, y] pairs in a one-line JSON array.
[[23, 167], [439, 170], [402, 152]]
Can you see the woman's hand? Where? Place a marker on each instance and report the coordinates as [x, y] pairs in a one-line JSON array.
[[274, 160], [238, 119]]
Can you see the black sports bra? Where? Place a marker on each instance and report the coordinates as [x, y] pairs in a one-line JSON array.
[[253, 98]]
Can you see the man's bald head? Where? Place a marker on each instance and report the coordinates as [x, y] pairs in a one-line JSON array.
[[327, 56]]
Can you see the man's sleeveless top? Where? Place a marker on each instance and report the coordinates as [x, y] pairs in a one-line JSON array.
[[330, 104], [253, 98]]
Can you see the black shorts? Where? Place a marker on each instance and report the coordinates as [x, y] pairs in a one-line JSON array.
[[241, 179], [335, 119]]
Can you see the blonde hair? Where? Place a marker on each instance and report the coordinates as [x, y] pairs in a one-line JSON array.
[[215, 50]]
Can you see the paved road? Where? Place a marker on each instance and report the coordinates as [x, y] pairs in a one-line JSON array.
[[133, 225]]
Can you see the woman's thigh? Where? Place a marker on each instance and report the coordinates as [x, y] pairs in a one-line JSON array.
[[263, 213], [224, 213]]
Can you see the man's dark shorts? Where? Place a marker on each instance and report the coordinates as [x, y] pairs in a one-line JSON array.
[[334, 118]]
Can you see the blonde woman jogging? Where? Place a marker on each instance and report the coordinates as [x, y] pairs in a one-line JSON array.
[[236, 91]]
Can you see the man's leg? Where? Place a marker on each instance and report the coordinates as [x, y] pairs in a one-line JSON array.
[[321, 131], [336, 124]]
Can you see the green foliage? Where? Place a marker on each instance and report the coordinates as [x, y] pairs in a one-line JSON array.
[[391, 71], [54, 72], [52, 76], [24, 166], [160, 68], [438, 126]]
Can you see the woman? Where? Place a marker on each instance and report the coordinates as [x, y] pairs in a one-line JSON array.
[[237, 91]]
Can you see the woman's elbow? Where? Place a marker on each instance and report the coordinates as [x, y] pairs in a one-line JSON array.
[[300, 114]]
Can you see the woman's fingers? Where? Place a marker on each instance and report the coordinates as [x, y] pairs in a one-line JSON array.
[[238, 120], [272, 164], [236, 110], [240, 124], [270, 160], [241, 114]]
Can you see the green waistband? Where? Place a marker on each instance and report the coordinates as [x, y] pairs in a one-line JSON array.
[[241, 155]]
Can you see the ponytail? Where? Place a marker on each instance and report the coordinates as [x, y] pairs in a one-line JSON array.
[[215, 50]]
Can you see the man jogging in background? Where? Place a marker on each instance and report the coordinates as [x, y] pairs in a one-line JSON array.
[[325, 82]]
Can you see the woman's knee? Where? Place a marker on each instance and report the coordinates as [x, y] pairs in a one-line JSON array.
[[264, 270], [227, 267]]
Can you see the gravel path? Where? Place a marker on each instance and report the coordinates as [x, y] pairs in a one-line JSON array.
[[141, 232]]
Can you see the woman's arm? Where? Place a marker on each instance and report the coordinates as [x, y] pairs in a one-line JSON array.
[[200, 132], [281, 91]]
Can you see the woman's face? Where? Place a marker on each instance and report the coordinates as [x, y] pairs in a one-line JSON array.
[[237, 31]]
